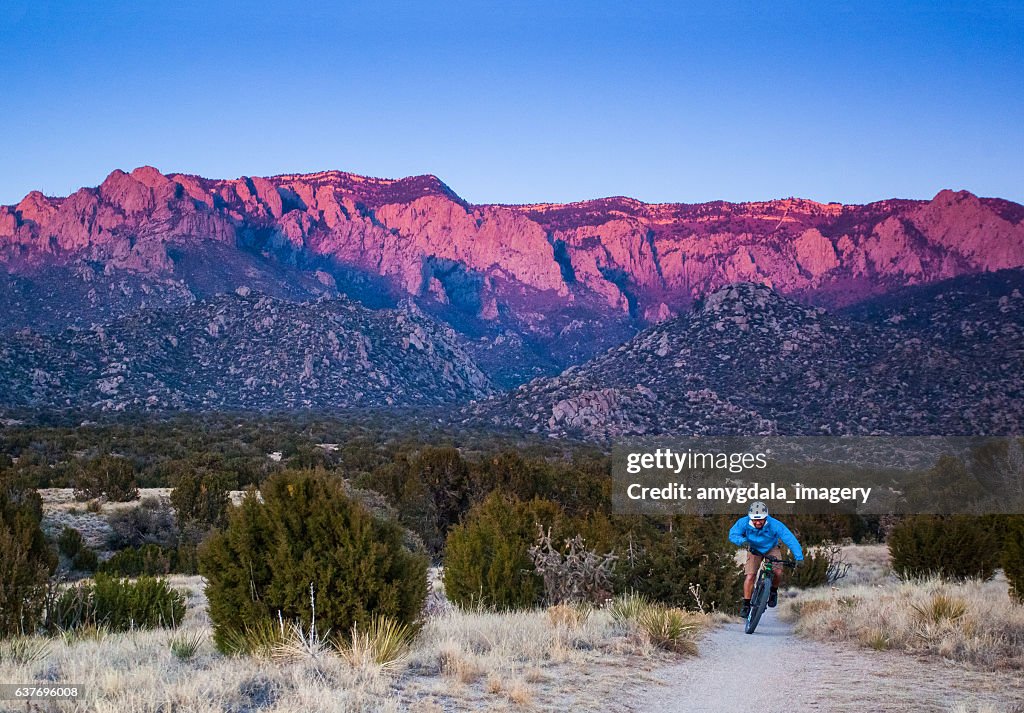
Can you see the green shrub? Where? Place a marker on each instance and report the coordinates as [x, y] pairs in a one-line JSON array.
[[186, 558], [487, 559], [822, 565], [85, 560], [119, 605], [107, 476], [69, 542], [308, 532], [954, 547], [692, 566], [813, 572], [202, 498], [26, 561], [1013, 555], [148, 560], [71, 545]]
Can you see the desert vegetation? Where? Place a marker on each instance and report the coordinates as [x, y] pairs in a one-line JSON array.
[[349, 568], [458, 660], [972, 620]]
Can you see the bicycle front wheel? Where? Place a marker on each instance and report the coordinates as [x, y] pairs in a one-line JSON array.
[[758, 603]]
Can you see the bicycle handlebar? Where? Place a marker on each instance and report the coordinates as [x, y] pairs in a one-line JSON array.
[[785, 563]]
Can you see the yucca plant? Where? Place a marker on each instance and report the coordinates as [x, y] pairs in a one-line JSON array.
[[669, 628], [184, 646], [23, 650], [383, 643], [259, 638], [940, 608], [627, 607]]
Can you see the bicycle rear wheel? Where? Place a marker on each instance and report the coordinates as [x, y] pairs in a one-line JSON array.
[[758, 603]]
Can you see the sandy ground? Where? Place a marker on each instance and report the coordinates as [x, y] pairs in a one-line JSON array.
[[775, 670]]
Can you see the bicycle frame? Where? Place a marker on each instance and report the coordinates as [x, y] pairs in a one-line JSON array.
[[762, 590]]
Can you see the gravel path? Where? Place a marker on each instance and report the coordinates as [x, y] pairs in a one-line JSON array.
[[812, 676]]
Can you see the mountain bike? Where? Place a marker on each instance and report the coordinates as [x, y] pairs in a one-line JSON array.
[[762, 589]]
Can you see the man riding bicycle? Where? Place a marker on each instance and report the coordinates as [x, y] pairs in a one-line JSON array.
[[761, 534]]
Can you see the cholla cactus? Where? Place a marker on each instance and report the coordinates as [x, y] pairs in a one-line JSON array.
[[575, 575]]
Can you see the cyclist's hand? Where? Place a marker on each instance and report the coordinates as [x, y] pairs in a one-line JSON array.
[[753, 551], [799, 563]]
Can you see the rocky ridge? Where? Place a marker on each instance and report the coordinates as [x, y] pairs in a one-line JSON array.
[[559, 283]]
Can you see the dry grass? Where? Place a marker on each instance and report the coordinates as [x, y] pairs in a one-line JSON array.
[[536, 660], [568, 616], [971, 622]]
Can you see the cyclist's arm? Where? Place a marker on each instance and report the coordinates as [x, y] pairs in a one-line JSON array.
[[791, 542], [736, 533]]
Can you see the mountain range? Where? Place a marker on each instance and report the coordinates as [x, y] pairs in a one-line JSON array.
[[177, 291]]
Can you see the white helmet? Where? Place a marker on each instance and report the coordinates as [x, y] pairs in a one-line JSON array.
[[758, 511]]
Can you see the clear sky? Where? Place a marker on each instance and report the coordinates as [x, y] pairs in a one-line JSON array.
[[523, 101]]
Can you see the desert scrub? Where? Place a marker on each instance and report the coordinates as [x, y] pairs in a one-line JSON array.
[[259, 639], [109, 477], [823, 564], [569, 616], [972, 621], [21, 650], [574, 573], [307, 532], [665, 627], [472, 646]]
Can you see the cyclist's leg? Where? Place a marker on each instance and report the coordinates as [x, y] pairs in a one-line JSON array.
[[777, 569], [773, 597], [750, 568]]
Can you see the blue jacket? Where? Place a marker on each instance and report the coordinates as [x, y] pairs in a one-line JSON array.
[[766, 538]]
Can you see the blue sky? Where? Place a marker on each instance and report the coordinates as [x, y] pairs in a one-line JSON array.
[[524, 101]]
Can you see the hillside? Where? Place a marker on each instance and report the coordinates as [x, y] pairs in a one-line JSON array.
[[244, 351], [747, 360]]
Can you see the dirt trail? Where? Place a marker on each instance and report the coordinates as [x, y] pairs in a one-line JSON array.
[[813, 676]]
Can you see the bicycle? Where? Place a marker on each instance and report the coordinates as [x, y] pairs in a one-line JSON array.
[[762, 589]]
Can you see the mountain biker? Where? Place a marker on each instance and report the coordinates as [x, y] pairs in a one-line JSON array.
[[761, 534]]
